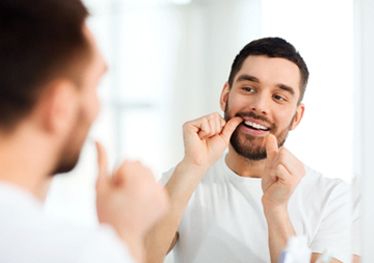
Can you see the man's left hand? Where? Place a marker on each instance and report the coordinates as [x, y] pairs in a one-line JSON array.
[[283, 172]]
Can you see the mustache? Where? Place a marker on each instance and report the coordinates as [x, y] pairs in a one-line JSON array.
[[253, 115]]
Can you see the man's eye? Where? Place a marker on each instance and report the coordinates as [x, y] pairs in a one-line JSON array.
[[279, 98], [249, 89]]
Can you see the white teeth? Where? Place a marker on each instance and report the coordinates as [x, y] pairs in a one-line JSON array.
[[255, 125]]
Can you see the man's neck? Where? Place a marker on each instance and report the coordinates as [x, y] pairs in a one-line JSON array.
[[243, 166], [23, 163]]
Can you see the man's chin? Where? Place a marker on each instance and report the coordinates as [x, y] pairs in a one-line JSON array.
[[254, 155], [65, 166], [250, 153], [251, 150]]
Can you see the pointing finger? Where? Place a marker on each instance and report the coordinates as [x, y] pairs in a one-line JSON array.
[[230, 128], [102, 162], [271, 146]]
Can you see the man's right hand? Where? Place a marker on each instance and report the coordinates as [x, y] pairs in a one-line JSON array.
[[206, 138], [130, 200]]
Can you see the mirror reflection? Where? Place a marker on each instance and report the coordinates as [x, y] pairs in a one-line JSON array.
[[168, 64]]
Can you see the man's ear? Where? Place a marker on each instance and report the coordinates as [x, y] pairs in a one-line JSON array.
[[298, 116], [58, 105], [224, 96]]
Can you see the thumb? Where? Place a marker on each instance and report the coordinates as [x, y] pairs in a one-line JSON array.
[[102, 164], [230, 128], [271, 147]]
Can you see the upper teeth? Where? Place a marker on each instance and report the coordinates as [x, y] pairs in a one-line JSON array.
[[255, 125]]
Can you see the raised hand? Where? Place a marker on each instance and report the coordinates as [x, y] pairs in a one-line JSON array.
[[283, 172], [206, 138], [130, 200]]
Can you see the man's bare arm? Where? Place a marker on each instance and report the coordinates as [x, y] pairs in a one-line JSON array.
[[163, 236], [205, 139]]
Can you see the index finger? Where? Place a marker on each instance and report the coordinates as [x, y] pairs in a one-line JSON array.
[[271, 146], [101, 160], [230, 128]]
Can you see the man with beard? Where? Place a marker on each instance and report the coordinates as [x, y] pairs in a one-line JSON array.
[[49, 72], [244, 205]]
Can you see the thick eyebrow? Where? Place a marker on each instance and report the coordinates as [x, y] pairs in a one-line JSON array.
[[246, 77], [286, 88]]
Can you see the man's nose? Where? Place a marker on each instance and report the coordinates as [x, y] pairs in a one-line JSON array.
[[260, 105]]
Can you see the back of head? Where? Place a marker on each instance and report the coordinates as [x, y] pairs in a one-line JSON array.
[[40, 41], [273, 47]]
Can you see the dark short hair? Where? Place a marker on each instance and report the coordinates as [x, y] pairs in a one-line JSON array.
[[40, 40], [273, 47]]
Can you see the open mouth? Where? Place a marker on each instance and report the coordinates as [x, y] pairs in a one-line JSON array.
[[255, 126]]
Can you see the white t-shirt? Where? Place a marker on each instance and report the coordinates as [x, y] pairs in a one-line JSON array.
[[224, 221], [27, 235]]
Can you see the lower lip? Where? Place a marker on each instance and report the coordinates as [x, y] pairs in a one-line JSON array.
[[257, 133]]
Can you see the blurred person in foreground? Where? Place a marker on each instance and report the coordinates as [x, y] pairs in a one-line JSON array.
[[50, 67]]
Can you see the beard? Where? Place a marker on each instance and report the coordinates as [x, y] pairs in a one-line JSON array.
[[66, 164], [251, 147], [70, 153]]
